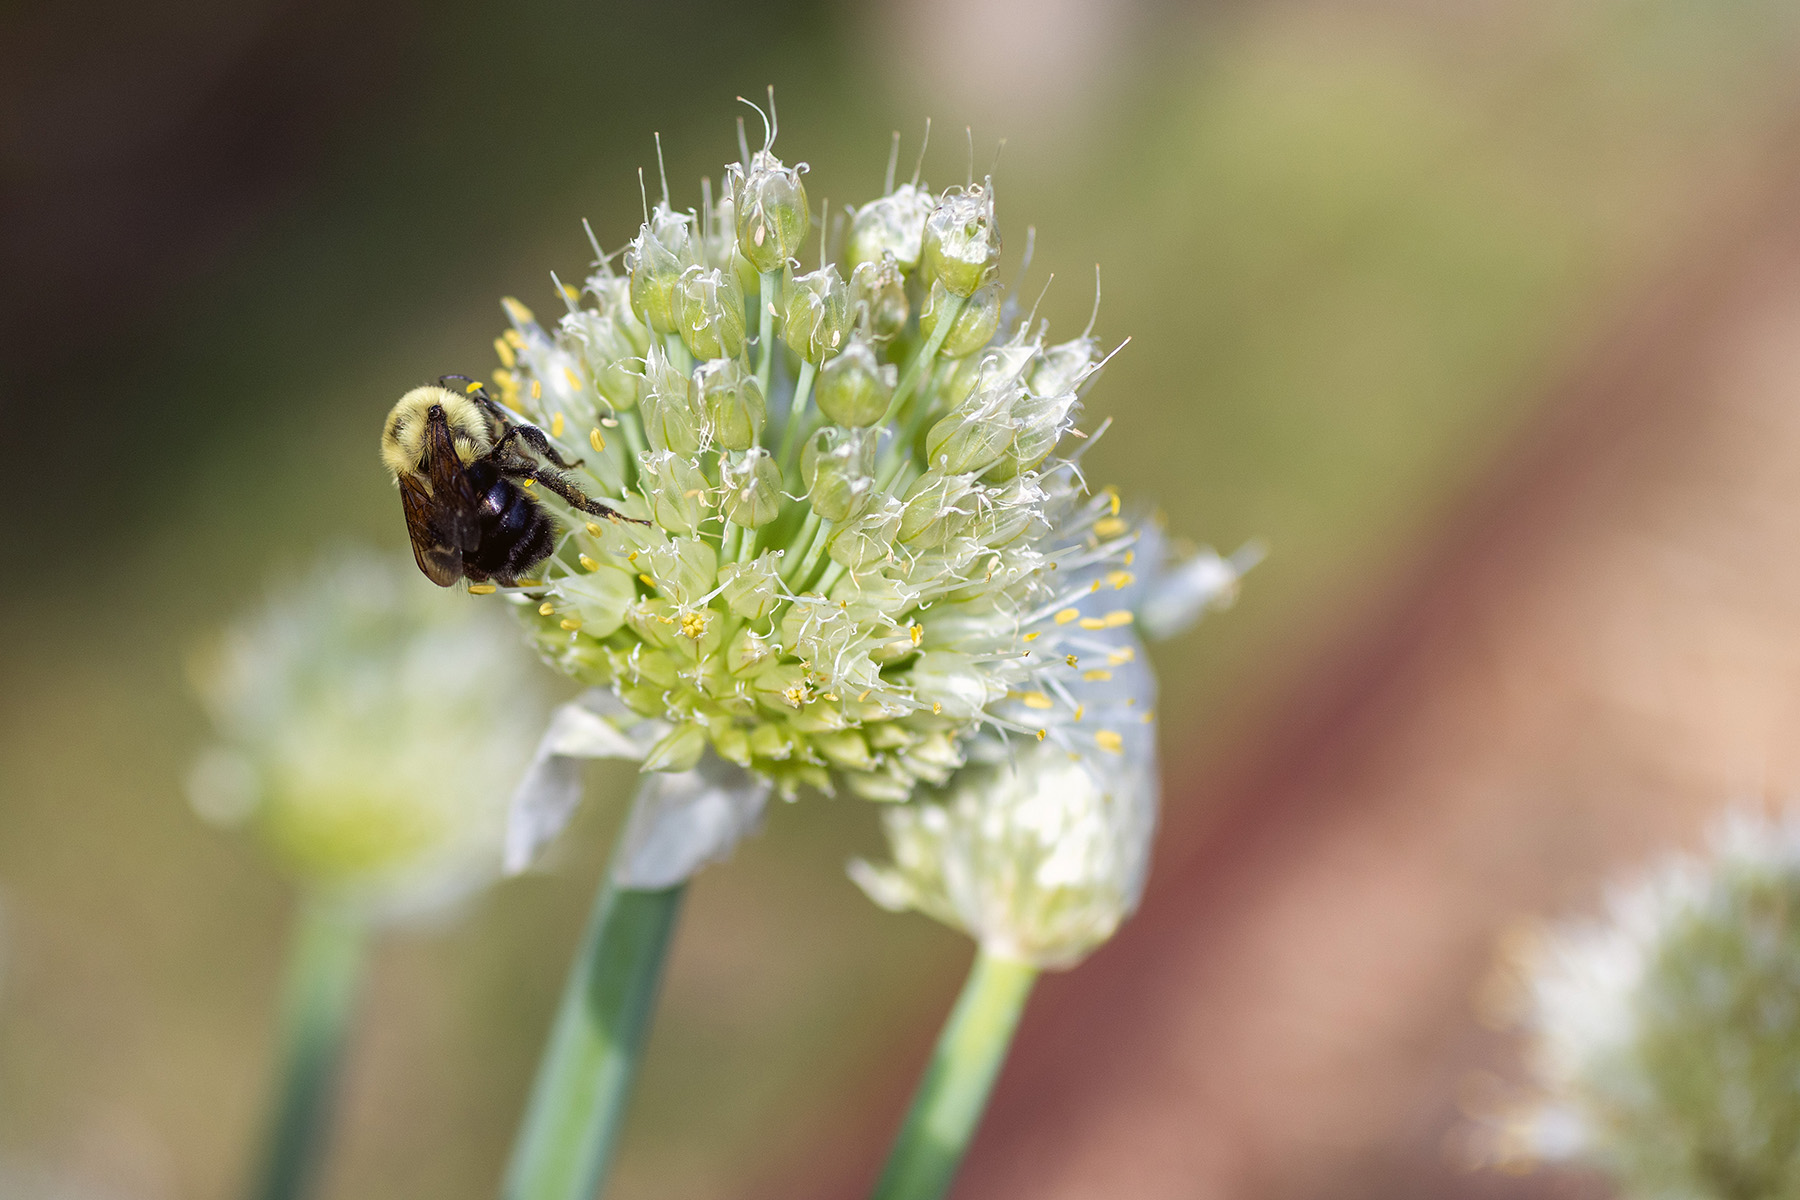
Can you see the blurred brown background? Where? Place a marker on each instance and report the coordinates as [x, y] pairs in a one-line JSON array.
[[1483, 315]]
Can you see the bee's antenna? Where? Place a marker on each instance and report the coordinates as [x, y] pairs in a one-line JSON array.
[[1095, 315], [893, 162], [662, 170], [923, 146]]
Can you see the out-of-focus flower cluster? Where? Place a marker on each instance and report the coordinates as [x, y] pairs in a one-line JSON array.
[[865, 541], [1666, 1038], [369, 731]]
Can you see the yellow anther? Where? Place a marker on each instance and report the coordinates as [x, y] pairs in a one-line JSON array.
[[860, 699], [505, 353], [918, 633], [1109, 741], [511, 337], [831, 695], [556, 425], [632, 557], [1066, 615], [1107, 526], [936, 708], [482, 589], [571, 624], [587, 564], [1071, 659], [1079, 710], [571, 291], [518, 312], [546, 608], [794, 694], [595, 440], [693, 625], [531, 583], [1033, 636], [1130, 557], [474, 386], [1041, 734], [646, 579], [1093, 623], [1149, 717], [1113, 495], [527, 482], [1097, 675], [1118, 617], [574, 379], [594, 529], [1120, 580], [1123, 654], [1036, 700], [537, 389], [1094, 586]]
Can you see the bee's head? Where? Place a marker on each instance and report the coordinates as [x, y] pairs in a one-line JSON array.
[[406, 438]]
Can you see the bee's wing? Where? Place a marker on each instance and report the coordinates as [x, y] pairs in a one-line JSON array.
[[440, 560]]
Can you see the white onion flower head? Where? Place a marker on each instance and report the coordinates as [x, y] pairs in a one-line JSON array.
[[864, 535], [369, 732], [1666, 1037]]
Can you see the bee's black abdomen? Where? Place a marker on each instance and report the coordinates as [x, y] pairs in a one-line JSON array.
[[516, 533]]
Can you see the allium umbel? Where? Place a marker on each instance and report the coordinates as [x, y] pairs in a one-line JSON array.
[[1666, 1038], [368, 729], [869, 534]]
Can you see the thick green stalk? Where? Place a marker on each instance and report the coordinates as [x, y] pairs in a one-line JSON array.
[[583, 1087], [325, 962], [954, 1093], [796, 417], [767, 290]]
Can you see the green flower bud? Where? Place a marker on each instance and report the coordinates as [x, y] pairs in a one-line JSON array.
[[869, 539], [973, 437], [752, 488], [893, 225], [961, 247], [676, 490], [878, 302], [771, 208], [671, 419], [1064, 367], [951, 680], [752, 589], [732, 401], [1038, 423], [975, 322], [855, 387], [683, 568], [679, 751], [664, 247], [597, 599], [929, 501], [611, 353], [750, 654], [708, 309], [815, 314], [839, 469]]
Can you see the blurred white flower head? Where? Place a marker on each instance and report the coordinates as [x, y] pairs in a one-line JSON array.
[[370, 730], [1666, 1037]]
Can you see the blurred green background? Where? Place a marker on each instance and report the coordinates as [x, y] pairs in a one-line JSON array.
[[1354, 245]]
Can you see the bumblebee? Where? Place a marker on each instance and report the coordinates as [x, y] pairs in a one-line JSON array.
[[464, 465]]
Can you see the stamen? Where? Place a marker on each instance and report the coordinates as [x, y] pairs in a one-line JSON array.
[[483, 589], [571, 624], [1109, 741], [546, 608], [556, 425], [1067, 615], [595, 440]]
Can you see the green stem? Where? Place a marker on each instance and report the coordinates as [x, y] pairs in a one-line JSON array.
[[917, 367], [578, 1102], [790, 435], [325, 963], [951, 1098], [765, 328]]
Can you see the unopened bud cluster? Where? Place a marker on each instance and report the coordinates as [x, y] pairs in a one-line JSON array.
[[369, 729], [1666, 1038], [863, 541]]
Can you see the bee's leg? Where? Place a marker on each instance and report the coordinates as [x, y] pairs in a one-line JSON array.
[[534, 437], [575, 497]]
